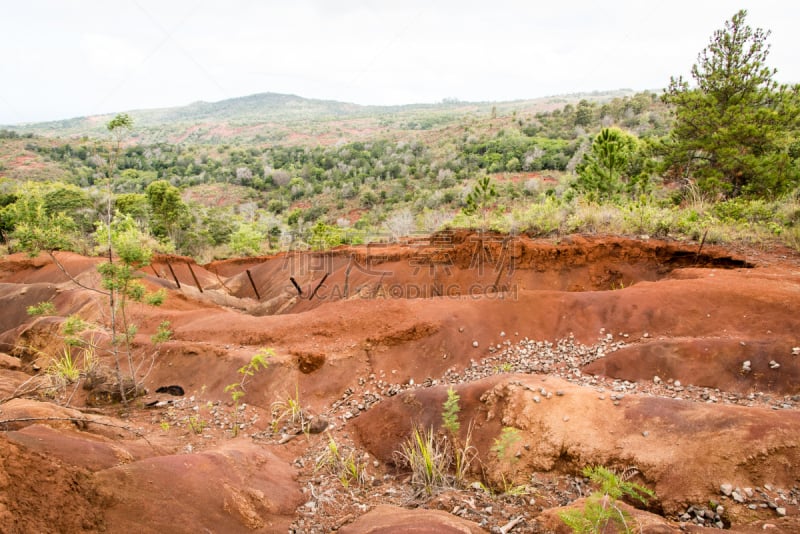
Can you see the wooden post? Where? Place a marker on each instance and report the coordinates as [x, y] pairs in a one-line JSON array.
[[252, 283], [154, 271], [296, 285], [347, 281], [196, 281], [700, 249], [173, 274], [318, 286]]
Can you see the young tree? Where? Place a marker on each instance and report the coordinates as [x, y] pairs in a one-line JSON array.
[[611, 166], [735, 131], [167, 209], [480, 198]]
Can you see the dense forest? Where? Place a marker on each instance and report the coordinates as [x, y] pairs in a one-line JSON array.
[[717, 159]]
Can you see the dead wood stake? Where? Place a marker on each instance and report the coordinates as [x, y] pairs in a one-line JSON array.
[[196, 281], [296, 285], [700, 248], [252, 283], [173, 274], [318, 286]]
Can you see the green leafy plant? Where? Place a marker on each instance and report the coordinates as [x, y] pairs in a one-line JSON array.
[[601, 507], [259, 361], [45, 307]]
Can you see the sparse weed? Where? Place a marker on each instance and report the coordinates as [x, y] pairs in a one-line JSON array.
[[288, 411], [505, 367], [345, 466], [66, 367], [236, 389], [196, 424], [156, 298], [45, 307], [504, 445], [512, 490], [429, 458]]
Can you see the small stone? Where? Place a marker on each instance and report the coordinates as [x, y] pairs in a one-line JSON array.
[[737, 497], [645, 433], [559, 392], [795, 351], [773, 364], [781, 511], [565, 418], [726, 489], [317, 425], [677, 383], [748, 492], [475, 344], [656, 380], [502, 334]]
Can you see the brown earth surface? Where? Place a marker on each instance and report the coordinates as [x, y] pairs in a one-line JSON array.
[[672, 363]]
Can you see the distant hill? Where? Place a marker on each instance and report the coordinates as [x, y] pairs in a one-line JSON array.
[[274, 117]]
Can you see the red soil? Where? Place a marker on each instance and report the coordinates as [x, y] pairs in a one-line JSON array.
[[403, 317]]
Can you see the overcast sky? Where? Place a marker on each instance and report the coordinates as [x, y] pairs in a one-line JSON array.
[[70, 58]]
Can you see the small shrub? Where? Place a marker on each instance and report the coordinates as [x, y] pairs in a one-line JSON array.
[[601, 506], [163, 333], [450, 411]]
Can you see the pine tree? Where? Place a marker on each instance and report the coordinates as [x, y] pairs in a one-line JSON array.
[[735, 131]]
